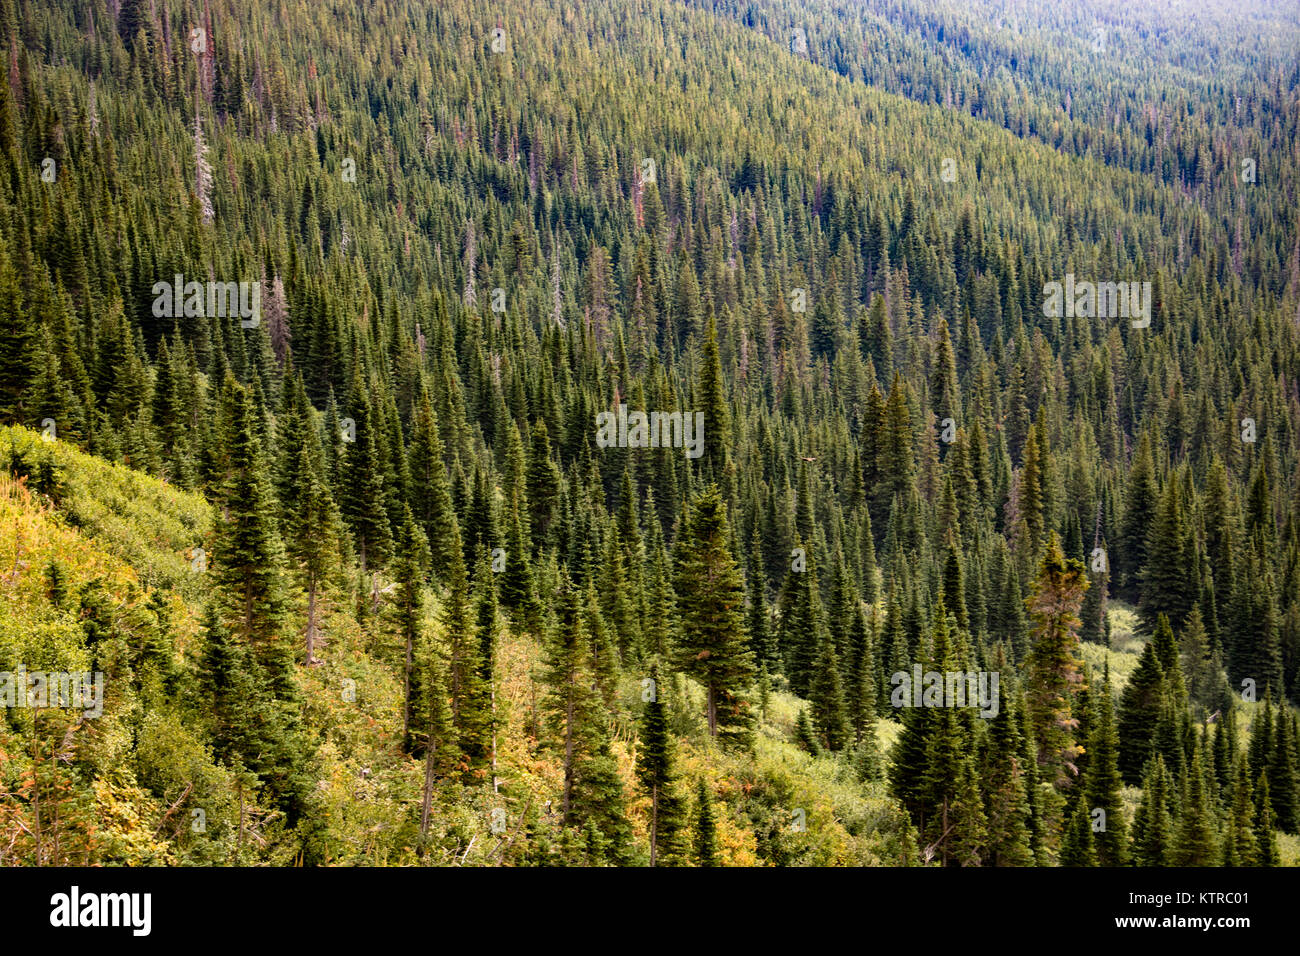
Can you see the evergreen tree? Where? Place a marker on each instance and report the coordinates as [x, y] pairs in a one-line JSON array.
[[408, 569], [706, 829], [805, 736], [1153, 825], [1102, 782], [247, 553], [1268, 853], [710, 599], [1053, 662], [1239, 846], [657, 774], [1008, 803], [593, 791], [468, 693], [827, 698], [1139, 515], [363, 499], [1077, 848], [1139, 709], [1196, 841], [431, 492]]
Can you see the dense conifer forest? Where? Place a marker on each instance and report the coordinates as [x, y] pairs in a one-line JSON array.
[[649, 433]]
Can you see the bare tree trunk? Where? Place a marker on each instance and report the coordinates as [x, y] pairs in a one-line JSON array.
[[568, 755], [945, 831], [427, 800], [406, 687], [495, 782], [36, 789], [654, 824], [311, 620], [239, 846]]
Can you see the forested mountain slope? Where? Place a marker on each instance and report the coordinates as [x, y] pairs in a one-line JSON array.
[[445, 612]]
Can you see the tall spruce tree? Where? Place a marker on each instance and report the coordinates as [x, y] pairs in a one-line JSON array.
[[1102, 781], [710, 599], [657, 774], [1053, 664]]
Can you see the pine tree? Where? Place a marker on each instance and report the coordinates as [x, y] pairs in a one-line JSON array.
[[1140, 504], [593, 791], [802, 623], [710, 598], [1102, 782], [896, 454], [412, 559], [1153, 825], [717, 419], [1008, 802], [657, 774], [1077, 848], [469, 695], [543, 484], [1268, 853], [657, 634], [1139, 710], [954, 591], [1031, 492], [363, 499], [706, 828], [431, 491], [1196, 841], [827, 698], [1239, 845], [247, 553], [1282, 776], [863, 681], [1203, 679], [868, 762], [488, 624], [313, 532], [19, 344], [805, 735], [970, 825], [1053, 663], [1168, 577], [1096, 628], [761, 641], [246, 626]]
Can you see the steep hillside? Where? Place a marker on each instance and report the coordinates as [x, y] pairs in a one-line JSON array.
[[973, 501]]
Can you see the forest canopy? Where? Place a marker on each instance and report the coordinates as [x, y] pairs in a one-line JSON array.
[[550, 436]]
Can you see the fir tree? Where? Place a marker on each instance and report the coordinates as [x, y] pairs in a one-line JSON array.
[[1139, 709], [710, 599], [1102, 782], [1268, 853], [657, 774], [1153, 825], [1196, 840], [1239, 845], [1077, 848], [593, 792], [1053, 662], [706, 829], [408, 569]]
